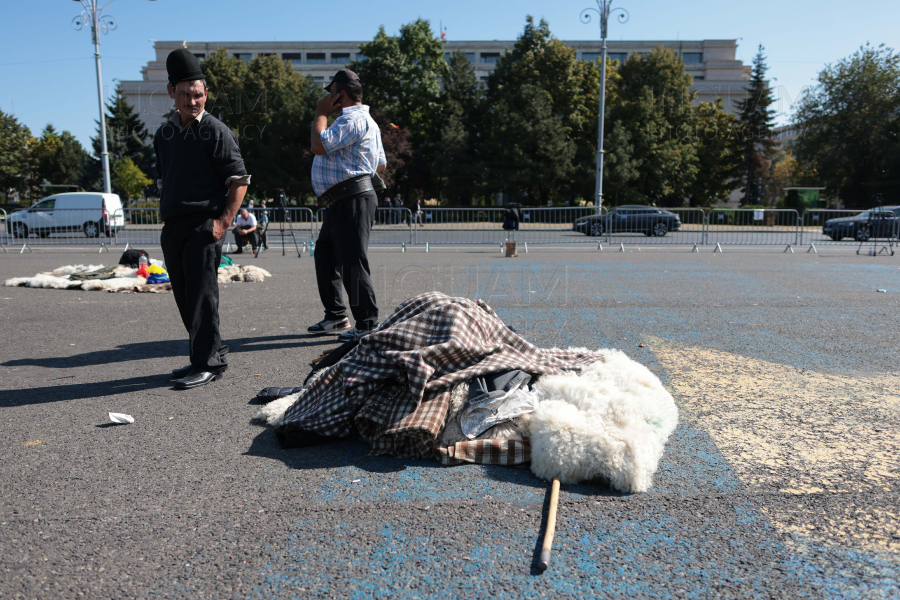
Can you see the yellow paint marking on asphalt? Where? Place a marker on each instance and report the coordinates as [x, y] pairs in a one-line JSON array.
[[33, 443], [797, 431]]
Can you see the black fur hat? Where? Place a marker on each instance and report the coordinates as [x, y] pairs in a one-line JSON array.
[[182, 65]]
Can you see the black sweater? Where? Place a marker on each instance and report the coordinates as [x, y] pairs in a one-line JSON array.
[[193, 164]]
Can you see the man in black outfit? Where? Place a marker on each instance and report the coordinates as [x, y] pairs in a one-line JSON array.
[[202, 182]]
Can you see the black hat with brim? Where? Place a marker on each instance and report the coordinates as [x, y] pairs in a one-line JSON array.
[[343, 76], [182, 65]]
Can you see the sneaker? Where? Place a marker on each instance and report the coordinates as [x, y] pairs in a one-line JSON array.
[[353, 335], [326, 327]]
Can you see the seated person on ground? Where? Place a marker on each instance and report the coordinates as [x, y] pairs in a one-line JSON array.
[[245, 231]]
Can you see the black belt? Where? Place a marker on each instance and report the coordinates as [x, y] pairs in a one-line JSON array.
[[345, 189]]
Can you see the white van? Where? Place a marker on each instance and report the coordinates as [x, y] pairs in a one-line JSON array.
[[92, 213]]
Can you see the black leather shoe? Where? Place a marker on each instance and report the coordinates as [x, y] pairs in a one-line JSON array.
[[197, 379], [182, 372]]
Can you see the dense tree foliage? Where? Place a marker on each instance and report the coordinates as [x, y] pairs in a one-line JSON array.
[[15, 154], [757, 120], [126, 137], [270, 107], [850, 124]]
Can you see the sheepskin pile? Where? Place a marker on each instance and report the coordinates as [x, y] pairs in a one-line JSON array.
[[125, 278], [610, 421]]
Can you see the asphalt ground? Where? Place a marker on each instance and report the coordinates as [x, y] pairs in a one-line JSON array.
[[781, 480]]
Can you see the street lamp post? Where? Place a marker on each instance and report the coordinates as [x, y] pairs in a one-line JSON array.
[[604, 9], [93, 16]]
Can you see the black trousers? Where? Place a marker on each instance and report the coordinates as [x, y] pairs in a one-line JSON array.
[[192, 260], [250, 238], [341, 258]]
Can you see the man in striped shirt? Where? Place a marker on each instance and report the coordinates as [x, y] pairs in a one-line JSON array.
[[347, 154]]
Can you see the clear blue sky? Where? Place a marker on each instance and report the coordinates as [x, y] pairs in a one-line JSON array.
[[47, 70]]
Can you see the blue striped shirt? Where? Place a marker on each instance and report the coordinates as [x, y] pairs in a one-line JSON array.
[[353, 147]]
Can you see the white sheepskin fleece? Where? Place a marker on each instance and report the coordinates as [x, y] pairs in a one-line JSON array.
[[242, 273], [125, 277], [612, 420]]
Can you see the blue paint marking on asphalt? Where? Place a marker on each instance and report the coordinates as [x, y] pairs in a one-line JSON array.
[[592, 556]]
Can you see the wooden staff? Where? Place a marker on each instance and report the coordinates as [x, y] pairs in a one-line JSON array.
[[551, 526]]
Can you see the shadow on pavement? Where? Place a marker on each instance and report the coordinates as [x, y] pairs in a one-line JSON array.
[[352, 452], [166, 349]]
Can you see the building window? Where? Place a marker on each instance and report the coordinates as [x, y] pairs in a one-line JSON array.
[[692, 58], [315, 57], [200, 56], [619, 56], [340, 58], [470, 56], [322, 79], [591, 56], [295, 58], [360, 57], [490, 57], [245, 56], [699, 77], [447, 56]]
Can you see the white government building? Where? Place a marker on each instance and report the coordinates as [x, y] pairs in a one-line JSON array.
[[712, 63]]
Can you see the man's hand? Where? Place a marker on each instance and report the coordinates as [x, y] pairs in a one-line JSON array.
[[219, 227], [326, 105]]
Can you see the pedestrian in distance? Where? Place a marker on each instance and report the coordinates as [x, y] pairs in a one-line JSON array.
[[245, 231], [347, 155], [202, 183], [264, 225]]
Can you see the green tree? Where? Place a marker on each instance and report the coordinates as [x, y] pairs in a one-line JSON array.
[[126, 137], [757, 120], [654, 119], [270, 107], [850, 125], [719, 154], [401, 76], [458, 160], [15, 156], [129, 178], [58, 158], [540, 131]]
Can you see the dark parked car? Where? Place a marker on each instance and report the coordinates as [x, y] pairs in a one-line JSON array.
[[624, 219], [882, 222]]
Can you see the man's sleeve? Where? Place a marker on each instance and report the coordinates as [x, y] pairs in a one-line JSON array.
[[382, 160], [251, 221], [226, 156], [342, 133]]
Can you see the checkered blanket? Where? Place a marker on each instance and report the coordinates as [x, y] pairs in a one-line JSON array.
[[394, 387]]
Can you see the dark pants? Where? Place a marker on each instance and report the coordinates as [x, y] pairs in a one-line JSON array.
[[250, 238], [192, 261], [341, 257]]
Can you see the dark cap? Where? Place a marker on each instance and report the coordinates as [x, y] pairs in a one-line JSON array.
[[343, 76], [182, 65]]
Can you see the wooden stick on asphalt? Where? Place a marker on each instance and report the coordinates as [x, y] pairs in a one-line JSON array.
[[551, 526]]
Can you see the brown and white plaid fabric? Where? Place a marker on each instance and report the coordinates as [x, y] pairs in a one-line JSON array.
[[395, 385], [484, 452]]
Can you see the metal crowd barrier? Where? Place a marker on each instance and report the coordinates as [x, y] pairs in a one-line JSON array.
[[393, 226], [61, 227], [4, 237], [688, 227], [300, 226], [537, 225], [286, 226], [753, 227], [822, 227]]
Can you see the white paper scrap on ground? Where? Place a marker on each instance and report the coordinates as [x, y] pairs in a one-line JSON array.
[[120, 418]]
